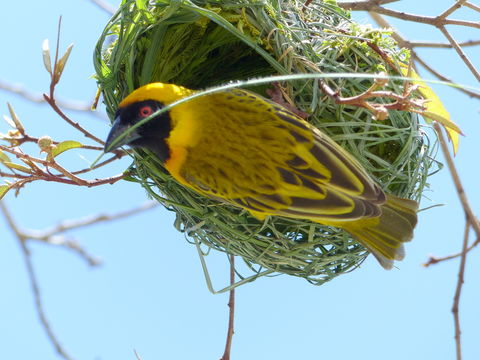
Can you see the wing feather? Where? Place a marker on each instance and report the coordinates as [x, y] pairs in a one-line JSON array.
[[346, 173], [267, 160]]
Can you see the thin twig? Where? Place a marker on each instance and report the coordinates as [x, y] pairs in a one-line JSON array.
[[441, 77], [379, 110], [381, 21], [19, 90], [52, 235], [67, 225], [231, 316], [137, 356], [372, 6], [430, 20], [460, 52], [39, 174], [456, 180], [414, 44], [432, 260], [27, 138], [458, 292], [472, 6], [456, 5], [14, 175], [50, 98], [52, 102], [88, 183], [34, 285], [74, 247]]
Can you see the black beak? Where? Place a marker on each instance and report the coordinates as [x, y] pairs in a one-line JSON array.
[[120, 134]]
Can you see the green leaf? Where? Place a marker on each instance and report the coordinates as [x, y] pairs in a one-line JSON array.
[[64, 146], [3, 190], [141, 4], [17, 167], [62, 61], [15, 119], [4, 157]]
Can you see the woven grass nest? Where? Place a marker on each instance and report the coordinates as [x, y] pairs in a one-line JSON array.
[[200, 44]]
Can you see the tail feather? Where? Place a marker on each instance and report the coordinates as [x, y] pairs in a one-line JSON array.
[[384, 236]]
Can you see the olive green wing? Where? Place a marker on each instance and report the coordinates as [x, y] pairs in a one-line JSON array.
[[317, 151], [345, 193], [267, 160]]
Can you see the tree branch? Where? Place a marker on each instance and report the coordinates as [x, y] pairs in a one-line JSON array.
[[231, 306], [380, 20], [430, 20], [460, 52], [51, 101], [472, 6], [456, 5], [458, 292], [472, 219], [39, 99], [34, 284]]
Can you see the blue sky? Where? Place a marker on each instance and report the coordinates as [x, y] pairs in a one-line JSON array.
[[150, 295]]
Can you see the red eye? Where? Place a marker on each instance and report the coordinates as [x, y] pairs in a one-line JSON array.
[[146, 111]]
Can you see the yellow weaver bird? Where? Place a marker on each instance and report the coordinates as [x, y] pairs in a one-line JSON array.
[[240, 148]]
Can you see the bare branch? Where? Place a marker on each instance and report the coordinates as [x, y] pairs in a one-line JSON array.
[[24, 138], [472, 219], [64, 175], [52, 239], [21, 91], [82, 106], [231, 306], [380, 20], [55, 76], [435, 260], [137, 356], [472, 6], [34, 285], [379, 110], [52, 235], [67, 225], [52, 102], [413, 44], [456, 5], [460, 52], [443, 78], [458, 292], [430, 20]]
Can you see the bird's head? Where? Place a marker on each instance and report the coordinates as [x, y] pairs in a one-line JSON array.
[[139, 105]]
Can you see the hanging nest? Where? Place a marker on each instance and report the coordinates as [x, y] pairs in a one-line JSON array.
[[200, 44]]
